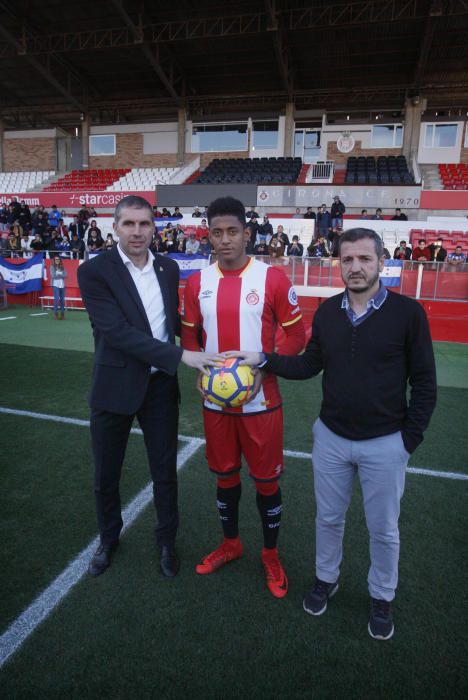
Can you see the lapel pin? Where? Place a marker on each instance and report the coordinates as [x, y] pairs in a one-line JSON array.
[[160, 269]]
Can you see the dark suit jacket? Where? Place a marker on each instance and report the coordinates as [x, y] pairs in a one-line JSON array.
[[125, 349]]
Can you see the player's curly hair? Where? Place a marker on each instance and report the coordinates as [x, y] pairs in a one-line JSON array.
[[227, 206]]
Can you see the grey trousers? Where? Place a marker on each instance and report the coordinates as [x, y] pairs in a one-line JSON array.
[[381, 465]]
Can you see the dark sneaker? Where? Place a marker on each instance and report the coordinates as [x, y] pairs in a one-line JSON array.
[[380, 619], [315, 601]]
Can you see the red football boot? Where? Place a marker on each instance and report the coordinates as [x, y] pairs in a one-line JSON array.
[[228, 551]]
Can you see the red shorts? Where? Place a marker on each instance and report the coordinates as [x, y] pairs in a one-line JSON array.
[[258, 437]]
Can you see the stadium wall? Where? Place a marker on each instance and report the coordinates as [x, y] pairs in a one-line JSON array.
[[130, 154], [359, 150], [30, 150]]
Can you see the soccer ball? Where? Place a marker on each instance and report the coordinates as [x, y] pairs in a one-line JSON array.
[[229, 385]]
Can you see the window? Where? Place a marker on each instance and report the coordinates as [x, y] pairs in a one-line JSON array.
[[219, 137], [264, 135], [387, 136], [102, 145], [440, 135]]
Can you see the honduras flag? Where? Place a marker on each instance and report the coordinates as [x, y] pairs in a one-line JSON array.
[[391, 274], [22, 277], [189, 263]]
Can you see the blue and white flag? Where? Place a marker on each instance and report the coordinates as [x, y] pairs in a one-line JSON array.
[[23, 277], [391, 274], [162, 223], [189, 263]]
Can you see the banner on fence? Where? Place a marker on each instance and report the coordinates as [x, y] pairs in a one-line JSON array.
[[189, 263], [22, 277], [391, 274]]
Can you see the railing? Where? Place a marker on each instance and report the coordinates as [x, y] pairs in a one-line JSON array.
[[321, 172]]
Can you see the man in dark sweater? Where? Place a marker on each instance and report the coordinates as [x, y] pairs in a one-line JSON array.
[[370, 343]]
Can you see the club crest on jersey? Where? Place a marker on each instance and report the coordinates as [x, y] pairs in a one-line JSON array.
[[292, 296], [252, 298]]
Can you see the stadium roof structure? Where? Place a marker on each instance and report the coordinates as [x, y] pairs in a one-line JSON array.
[[121, 61]]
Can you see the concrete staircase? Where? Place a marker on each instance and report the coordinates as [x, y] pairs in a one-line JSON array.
[[431, 177]]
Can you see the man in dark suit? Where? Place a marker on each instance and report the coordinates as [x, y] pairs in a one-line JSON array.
[[132, 300]]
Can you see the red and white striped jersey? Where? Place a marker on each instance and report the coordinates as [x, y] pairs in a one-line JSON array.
[[241, 310]]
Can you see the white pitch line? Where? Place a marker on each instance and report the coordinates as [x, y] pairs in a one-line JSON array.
[[24, 625], [43, 313], [459, 476], [411, 470], [7, 318]]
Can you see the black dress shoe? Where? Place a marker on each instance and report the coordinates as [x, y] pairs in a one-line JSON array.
[[101, 559], [169, 561]]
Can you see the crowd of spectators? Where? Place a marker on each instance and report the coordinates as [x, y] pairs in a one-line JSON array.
[[23, 233]]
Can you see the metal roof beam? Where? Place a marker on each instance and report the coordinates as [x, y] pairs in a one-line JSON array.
[[282, 54], [153, 57], [353, 13]]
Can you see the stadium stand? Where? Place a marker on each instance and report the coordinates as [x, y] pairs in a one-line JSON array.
[[17, 181], [454, 176], [141, 179], [255, 170], [91, 179], [451, 238], [386, 170]]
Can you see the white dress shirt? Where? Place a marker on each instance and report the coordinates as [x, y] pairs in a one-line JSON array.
[[149, 291]]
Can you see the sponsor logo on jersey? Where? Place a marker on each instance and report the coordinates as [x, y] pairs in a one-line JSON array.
[[292, 296], [206, 294], [252, 298]]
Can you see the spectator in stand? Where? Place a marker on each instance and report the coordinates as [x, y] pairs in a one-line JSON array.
[[457, 259], [282, 236], [318, 248], [266, 229], [92, 212], [261, 248], [15, 207], [3, 217], [14, 245], [58, 275], [177, 214], [158, 245], [335, 250], [77, 227], [180, 240], [63, 244], [25, 247], [94, 227], [295, 249], [196, 213], [205, 247], [253, 226], [84, 215], [53, 240], [438, 252], [378, 216], [336, 213], [364, 214], [192, 245], [24, 216], [156, 213], [11, 215], [17, 229], [422, 253], [399, 216], [251, 213], [40, 224], [63, 228], [94, 242], [178, 230], [37, 243], [323, 221], [386, 253], [310, 214], [77, 247], [54, 216], [166, 214], [403, 252], [202, 231], [170, 243], [297, 214], [109, 243], [275, 247]]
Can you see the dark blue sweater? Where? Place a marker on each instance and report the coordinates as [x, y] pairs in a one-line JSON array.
[[367, 368]]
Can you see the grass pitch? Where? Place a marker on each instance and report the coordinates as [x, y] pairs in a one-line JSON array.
[[132, 634]]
